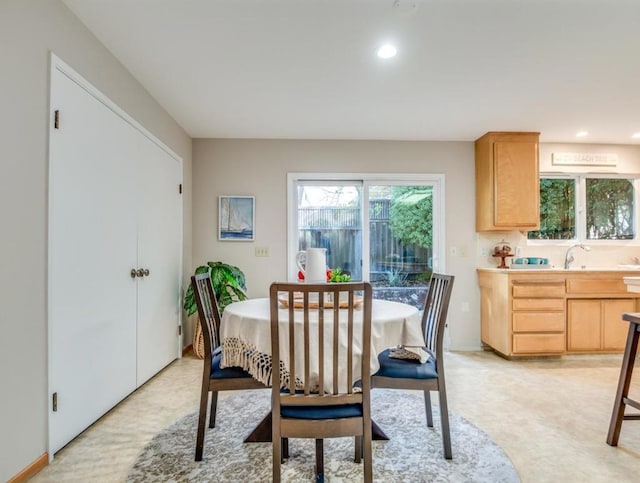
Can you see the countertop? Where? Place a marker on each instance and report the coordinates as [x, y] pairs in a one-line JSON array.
[[564, 270]]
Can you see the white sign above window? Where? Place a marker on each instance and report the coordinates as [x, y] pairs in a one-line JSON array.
[[584, 159]]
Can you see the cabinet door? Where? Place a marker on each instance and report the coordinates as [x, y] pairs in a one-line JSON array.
[[614, 328], [516, 185], [584, 322]]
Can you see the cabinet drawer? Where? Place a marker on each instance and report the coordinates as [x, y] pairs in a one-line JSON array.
[[538, 304], [538, 289], [585, 286], [538, 343], [538, 322]]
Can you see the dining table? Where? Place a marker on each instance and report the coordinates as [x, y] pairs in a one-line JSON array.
[[245, 334]]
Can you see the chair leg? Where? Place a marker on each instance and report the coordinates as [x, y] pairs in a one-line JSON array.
[[626, 371], [277, 455], [358, 445], [366, 453], [214, 405], [202, 421], [444, 419], [319, 461], [427, 407], [285, 448]]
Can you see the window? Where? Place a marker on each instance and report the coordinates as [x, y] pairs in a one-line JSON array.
[[586, 207], [610, 209], [385, 229]]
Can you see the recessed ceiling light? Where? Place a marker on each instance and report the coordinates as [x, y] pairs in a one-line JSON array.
[[582, 134], [636, 135], [387, 51]]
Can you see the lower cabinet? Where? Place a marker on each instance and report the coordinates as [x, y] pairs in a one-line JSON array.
[[597, 325], [553, 312], [538, 317]]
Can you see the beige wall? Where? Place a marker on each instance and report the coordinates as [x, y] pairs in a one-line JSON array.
[[29, 31], [259, 168]]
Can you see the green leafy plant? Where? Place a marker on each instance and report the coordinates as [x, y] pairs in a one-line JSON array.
[[338, 276], [411, 215], [228, 282], [396, 277]]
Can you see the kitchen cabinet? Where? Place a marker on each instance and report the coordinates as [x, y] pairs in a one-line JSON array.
[[595, 325], [522, 313], [507, 181], [538, 317], [553, 312]]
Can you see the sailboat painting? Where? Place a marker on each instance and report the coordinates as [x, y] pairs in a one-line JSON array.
[[236, 218]]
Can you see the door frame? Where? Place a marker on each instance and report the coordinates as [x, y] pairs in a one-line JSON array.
[[57, 64], [368, 179]]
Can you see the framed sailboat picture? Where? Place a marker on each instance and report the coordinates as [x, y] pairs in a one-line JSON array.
[[236, 218]]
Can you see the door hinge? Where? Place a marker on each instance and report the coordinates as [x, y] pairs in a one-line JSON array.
[[55, 401], [180, 188], [56, 119], [179, 330]]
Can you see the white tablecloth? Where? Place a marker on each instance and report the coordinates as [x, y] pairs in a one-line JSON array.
[[246, 335]]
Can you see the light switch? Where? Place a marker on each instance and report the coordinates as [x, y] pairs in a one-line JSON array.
[[262, 251]]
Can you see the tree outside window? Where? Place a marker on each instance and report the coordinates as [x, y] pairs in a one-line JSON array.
[[609, 209], [557, 210]]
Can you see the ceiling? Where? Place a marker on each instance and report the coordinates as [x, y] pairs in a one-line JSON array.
[[307, 69]]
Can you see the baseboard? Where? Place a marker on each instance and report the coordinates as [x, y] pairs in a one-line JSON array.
[[31, 470], [187, 349]]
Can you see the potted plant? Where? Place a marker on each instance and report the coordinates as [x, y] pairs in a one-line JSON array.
[[229, 285]]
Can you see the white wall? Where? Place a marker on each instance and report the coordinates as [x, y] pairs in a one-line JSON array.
[[259, 168], [29, 31]]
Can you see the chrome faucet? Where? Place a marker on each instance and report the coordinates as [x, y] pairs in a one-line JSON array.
[[568, 258]]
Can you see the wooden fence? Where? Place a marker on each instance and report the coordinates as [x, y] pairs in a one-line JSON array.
[[339, 230]]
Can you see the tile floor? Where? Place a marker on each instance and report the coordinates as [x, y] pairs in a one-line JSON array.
[[550, 416]]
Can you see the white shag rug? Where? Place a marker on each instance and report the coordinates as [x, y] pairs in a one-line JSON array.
[[413, 454]]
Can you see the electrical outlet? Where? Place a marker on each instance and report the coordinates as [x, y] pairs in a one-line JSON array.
[[262, 251], [453, 251], [518, 250], [484, 252], [463, 251]]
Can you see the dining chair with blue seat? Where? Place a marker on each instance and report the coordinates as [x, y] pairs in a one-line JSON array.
[[318, 344], [214, 377], [407, 373]]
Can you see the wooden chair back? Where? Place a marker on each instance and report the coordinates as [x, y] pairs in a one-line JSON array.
[[208, 312], [311, 311], [434, 316]]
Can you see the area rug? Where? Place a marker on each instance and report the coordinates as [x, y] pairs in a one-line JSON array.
[[413, 454]]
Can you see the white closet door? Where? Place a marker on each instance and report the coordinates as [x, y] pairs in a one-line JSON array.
[[159, 245], [92, 249]]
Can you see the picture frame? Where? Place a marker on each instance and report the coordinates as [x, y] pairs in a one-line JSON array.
[[236, 218]]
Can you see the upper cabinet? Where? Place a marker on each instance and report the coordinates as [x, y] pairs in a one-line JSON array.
[[507, 182]]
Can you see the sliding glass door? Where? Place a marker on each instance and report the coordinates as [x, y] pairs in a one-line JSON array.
[[329, 215], [385, 229]]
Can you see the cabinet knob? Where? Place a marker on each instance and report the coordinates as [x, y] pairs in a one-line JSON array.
[[134, 274], [146, 272], [140, 272]]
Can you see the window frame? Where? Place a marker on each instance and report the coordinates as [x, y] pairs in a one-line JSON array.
[[581, 206], [436, 181]]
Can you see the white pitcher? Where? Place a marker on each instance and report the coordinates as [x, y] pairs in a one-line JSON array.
[[315, 264]]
